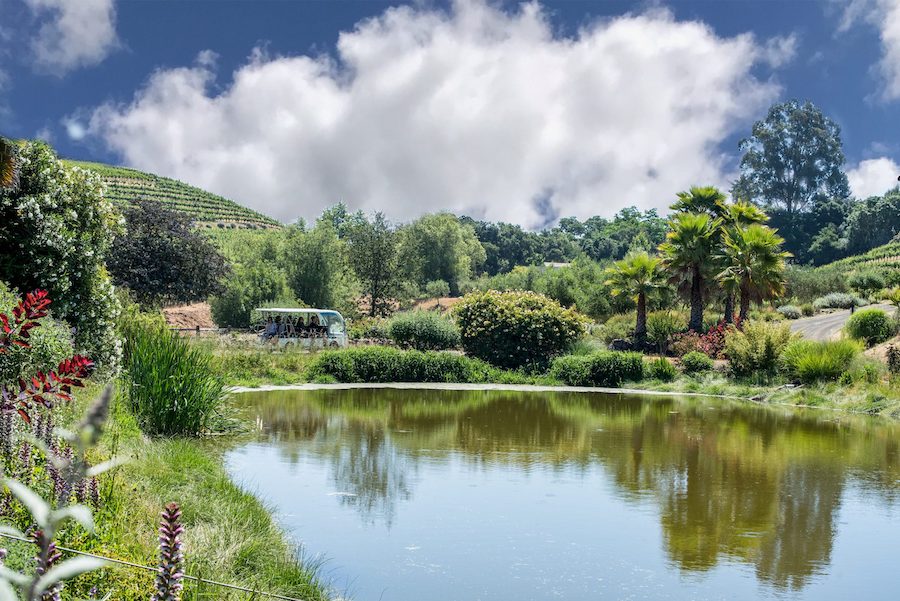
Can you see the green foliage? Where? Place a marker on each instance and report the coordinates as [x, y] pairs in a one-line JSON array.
[[687, 256], [249, 286], [55, 230], [866, 283], [172, 387], [791, 311], [637, 276], [369, 328], [792, 160], [662, 326], [617, 327], [756, 348], [754, 264], [696, 362], [807, 310], [372, 253], [806, 284], [661, 369], [316, 266], [516, 329], [603, 368], [161, 258], [873, 222], [871, 326], [385, 364], [125, 185], [893, 359], [839, 300], [423, 331], [437, 289], [439, 247], [810, 361]]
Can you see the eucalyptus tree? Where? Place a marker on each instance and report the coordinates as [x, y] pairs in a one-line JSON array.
[[9, 164]]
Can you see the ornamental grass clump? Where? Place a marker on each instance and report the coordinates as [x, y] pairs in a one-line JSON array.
[[660, 369], [170, 572], [172, 388], [756, 348], [809, 361], [516, 329], [423, 331]]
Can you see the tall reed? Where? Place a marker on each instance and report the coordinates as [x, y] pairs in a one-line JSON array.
[[172, 388]]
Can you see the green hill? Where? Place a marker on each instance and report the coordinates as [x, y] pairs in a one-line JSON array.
[[125, 185], [884, 258]]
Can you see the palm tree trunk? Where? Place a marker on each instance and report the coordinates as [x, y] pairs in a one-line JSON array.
[[640, 329], [729, 307], [696, 322], [745, 303]]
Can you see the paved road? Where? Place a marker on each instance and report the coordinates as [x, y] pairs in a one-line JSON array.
[[826, 326]]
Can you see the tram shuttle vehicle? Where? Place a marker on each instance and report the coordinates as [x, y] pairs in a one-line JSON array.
[[304, 328]]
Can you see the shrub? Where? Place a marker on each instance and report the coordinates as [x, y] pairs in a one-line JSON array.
[[866, 283], [660, 369], [662, 326], [423, 331], [617, 327], [516, 329], [810, 361], [712, 343], [871, 325], [696, 362], [807, 310], [603, 368], [757, 347], [385, 364], [839, 300], [790, 312], [369, 328], [437, 289], [172, 387]]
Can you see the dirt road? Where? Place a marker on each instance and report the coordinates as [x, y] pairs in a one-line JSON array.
[[827, 325]]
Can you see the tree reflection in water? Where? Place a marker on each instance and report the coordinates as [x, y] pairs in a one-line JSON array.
[[731, 481]]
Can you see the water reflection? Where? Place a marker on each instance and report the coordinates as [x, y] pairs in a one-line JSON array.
[[730, 482]]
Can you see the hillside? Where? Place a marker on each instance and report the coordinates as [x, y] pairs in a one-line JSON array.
[[210, 210], [884, 258]]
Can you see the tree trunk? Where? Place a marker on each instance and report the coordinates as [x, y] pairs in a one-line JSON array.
[[745, 303], [696, 322], [729, 308], [640, 329]]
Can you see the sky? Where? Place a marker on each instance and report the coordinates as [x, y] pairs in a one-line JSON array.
[[506, 111]]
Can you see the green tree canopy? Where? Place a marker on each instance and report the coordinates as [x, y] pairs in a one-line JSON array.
[[440, 247], [636, 276], [372, 247], [688, 257]]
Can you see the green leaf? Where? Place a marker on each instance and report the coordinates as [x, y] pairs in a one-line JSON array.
[[66, 570]]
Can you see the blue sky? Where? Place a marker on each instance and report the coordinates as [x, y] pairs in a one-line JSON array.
[[520, 112]]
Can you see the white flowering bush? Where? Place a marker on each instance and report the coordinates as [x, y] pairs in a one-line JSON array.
[[56, 227]]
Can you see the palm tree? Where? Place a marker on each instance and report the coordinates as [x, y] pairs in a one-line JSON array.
[[739, 214], [688, 256], [755, 263], [9, 164], [702, 199], [636, 276]]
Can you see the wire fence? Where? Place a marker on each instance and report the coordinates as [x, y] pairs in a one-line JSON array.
[[153, 569]]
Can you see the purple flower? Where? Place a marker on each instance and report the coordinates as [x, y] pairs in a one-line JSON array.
[[171, 560]]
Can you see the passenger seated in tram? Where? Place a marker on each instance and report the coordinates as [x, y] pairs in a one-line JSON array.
[[271, 329], [315, 327]]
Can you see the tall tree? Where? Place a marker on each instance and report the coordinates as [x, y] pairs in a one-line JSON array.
[[737, 215], [185, 266], [688, 256], [756, 263], [372, 250], [440, 247], [315, 263], [636, 276], [792, 159]]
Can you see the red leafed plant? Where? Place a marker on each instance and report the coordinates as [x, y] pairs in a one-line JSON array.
[[42, 388]]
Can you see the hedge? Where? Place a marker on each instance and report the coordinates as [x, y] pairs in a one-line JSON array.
[[604, 368]]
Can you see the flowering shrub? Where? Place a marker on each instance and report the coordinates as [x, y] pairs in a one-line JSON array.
[[516, 329], [711, 344], [70, 226]]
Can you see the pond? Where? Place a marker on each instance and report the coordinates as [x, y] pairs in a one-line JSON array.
[[413, 495]]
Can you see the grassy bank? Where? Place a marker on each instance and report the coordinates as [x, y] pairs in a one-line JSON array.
[[229, 535]]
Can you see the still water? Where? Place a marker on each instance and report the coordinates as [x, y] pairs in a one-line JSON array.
[[460, 495]]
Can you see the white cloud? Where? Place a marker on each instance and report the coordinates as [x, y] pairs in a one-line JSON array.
[[74, 33], [873, 177], [884, 15], [780, 50], [75, 129], [473, 110]]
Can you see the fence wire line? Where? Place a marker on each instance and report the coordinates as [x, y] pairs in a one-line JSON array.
[[152, 569]]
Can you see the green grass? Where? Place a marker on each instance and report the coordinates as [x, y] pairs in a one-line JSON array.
[[125, 185], [230, 536]]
